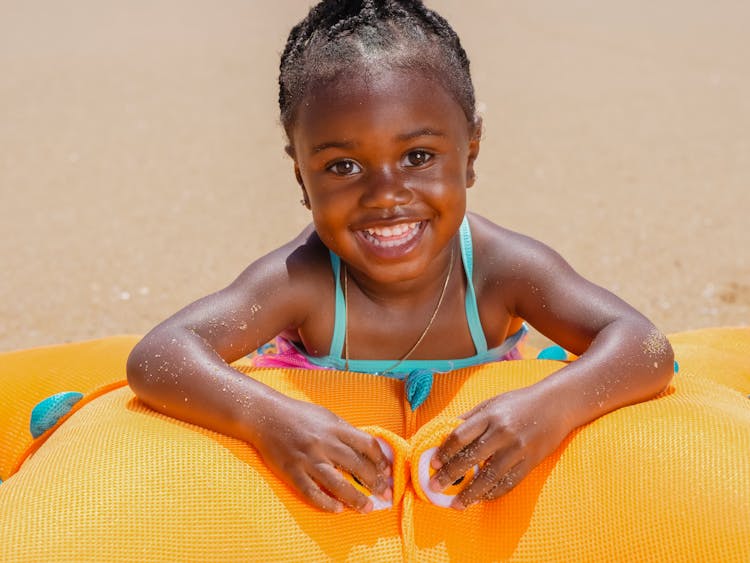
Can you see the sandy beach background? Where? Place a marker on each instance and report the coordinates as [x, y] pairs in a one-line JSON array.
[[142, 164]]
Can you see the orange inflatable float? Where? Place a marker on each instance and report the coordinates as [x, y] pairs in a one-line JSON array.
[[111, 480]]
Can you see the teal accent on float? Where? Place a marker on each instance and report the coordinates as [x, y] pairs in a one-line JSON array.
[[553, 353], [47, 412], [418, 387]]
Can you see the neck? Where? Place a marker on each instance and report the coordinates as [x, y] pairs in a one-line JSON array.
[[407, 292], [443, 291]]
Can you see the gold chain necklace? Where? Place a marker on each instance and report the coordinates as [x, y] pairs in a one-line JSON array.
[[424, 332]]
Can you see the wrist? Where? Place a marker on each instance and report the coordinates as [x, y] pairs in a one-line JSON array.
[[259, 411], [565, 402]]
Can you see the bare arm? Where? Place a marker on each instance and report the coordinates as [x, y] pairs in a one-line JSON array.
[[624, 359], [181, 368]]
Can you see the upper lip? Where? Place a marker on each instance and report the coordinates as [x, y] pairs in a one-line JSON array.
[[389, 221]]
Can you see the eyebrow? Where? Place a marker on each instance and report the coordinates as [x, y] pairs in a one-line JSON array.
[[424, 132], [332, 145]]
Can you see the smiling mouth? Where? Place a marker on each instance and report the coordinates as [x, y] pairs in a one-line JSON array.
[[392, 236]]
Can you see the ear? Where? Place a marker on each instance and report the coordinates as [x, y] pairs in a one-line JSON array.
[[305, 198], [474, 142], [305, 201]]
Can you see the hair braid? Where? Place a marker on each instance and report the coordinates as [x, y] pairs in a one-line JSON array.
[[404, 32]]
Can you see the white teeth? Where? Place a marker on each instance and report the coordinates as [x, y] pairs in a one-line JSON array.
[[395, 231], [398, 234]]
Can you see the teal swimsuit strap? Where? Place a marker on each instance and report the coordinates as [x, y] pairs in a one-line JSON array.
[[472, 311], [339, 319]]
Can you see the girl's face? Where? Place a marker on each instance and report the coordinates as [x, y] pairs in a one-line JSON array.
[[384, 160]]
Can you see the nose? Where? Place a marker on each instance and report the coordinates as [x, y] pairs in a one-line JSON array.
[[385, 188]]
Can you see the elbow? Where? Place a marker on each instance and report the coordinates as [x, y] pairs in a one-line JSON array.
[[656, 355], [661, 355], [140, 368], [136, 368], [669, 367]]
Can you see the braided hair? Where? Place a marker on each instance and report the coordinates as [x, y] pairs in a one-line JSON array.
[[338, 35]]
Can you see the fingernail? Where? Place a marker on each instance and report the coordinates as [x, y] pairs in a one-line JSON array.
[[387, 471], [458, 505], [435, 485], [338, 508], [435, 463], [367, 508]]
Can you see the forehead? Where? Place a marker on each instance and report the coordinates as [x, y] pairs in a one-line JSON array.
[[386, 102]]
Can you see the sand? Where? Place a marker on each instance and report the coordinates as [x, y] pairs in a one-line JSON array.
[[142, 164]]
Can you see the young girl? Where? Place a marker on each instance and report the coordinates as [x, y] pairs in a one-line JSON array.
[[394, 276]]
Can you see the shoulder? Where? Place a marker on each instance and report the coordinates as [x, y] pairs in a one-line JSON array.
[[279, 291], [503, 252], [288, 282], [513, 269], [296, 265]]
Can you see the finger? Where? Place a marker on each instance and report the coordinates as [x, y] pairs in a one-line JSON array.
[[337, 485], [457, 440], [468, 414], [490, 477], [314, 495], [511, 479], [368, 445], [361, 468], [464, 465]]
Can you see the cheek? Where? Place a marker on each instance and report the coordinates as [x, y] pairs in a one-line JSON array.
[[451, 169], [326, 192], [330, 216], [446, 185], [331, 206]]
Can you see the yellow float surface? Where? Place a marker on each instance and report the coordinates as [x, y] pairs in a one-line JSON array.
[[665, 480], [29, 376]]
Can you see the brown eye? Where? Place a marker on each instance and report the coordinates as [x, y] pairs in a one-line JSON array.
[[345, 168], [418, 158]]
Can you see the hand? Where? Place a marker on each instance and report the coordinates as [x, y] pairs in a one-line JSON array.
[[306, 446], [507, 435]]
